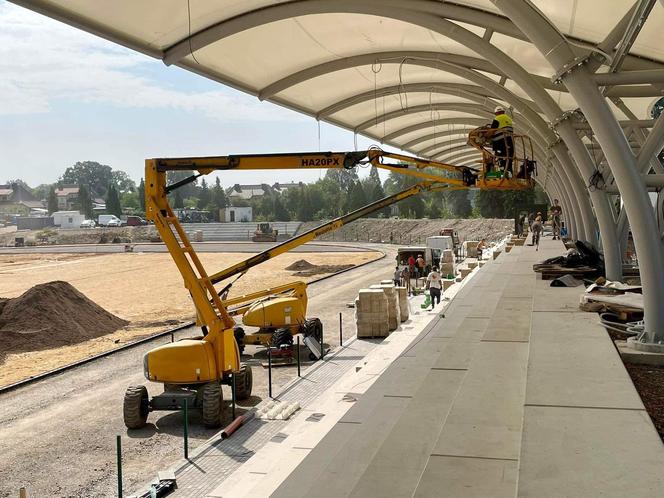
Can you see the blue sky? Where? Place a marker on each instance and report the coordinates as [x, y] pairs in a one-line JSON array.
[[68, 96]]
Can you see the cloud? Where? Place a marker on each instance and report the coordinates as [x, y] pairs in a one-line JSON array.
[[44, 62]]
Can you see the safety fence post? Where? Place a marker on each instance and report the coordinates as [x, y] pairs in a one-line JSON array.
[[298, 356], [118, 449], [341, 332], [269, 370], [233, 393], [186, 430]]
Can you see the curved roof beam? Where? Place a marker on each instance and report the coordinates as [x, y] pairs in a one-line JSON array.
[[415, 58], [432, 124], [252, 19], [248, 20], [440, 106], [456, 89], [434, 136], [456, 141]]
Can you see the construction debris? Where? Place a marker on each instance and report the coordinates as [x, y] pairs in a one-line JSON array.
[[303, 268]]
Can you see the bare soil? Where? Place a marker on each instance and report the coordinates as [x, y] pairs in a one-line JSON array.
[[145, 289], [649, 382], [303, 268], [50, 315]]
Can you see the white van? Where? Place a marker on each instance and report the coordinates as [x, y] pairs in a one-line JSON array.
[[104, 220]]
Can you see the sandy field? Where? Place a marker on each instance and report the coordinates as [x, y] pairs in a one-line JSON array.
[[145, 289]]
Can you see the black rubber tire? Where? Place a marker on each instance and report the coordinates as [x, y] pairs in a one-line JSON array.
[[282, 337], [212, 404], [136, 407], [244, 383], [239, 334]]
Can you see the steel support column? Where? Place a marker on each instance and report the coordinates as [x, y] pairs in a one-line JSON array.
[[553, 45]]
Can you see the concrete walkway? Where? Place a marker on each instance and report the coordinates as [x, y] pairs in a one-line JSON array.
[[514, 393]]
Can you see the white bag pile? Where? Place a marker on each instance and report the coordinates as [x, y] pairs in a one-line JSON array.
[[404, 310], [371, 315]]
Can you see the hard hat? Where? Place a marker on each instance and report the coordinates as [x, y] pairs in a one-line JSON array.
[[499, 108]]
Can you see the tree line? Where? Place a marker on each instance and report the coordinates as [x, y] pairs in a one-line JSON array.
[[339, 191]]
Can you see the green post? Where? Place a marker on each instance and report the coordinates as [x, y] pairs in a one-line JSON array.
[[186, 430], [118, 446], [233, 397]]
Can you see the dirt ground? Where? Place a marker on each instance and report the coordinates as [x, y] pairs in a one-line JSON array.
[[145, 289], [649, 382]]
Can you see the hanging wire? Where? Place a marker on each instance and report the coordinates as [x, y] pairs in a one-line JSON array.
[[596, 180], [318, 121], [376, 67], [189, 38], [401, 89]]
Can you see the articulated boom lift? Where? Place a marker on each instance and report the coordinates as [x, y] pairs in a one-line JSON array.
[[194, 369]]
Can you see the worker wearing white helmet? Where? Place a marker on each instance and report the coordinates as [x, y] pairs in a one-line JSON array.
[[501, 138]]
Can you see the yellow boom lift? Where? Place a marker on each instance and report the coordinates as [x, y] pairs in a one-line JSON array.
[[195, 369]]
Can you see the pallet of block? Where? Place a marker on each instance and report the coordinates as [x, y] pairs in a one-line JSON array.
[[549, 272], [371, 315]]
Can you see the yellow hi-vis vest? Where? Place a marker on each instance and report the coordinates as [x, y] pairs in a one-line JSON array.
[[504, 124]]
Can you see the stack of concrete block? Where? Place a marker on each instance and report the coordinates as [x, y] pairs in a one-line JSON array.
[[448, 256], [404, 309], [470, 248], [393, 315], [371, 315]]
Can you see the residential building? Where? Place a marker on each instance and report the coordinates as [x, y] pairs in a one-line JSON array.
[[247, 192], [16, 199], [67, 196]]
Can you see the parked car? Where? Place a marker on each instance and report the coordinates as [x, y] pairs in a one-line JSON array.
[[88, 224], [105, 219], [134, 221]]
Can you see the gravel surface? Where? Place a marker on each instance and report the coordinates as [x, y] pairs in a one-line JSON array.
[[405, 231], [57, 436]]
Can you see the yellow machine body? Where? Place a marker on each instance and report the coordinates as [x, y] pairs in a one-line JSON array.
[[275, 312], [189, 361]]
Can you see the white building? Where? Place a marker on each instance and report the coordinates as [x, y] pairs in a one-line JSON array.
[[231, 214], [68, 219]]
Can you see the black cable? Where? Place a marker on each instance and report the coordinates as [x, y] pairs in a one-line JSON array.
[[189, 38]]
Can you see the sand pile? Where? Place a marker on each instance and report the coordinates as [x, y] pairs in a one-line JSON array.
[[51, 315], [303, 268]]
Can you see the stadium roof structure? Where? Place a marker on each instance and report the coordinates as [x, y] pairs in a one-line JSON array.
[[580, 78]]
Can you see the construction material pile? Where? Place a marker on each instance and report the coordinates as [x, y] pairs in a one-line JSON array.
[[404, 310], [51, 315], [447, 268], [371, 313], [393, 314], [303, 268]]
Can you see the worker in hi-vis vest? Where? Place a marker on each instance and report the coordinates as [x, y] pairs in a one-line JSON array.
[[501, 138]]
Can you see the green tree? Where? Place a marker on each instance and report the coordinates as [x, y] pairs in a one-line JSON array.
[[122, 182], [305, 210], [52, 201], [186, 190], [280, 212], [178, 201], [85, 202], [219, 198], [356, 197], [113, 201], [460, 203], [130, 200], [141, 194], [96, 176], [490, 203], [203, 195]]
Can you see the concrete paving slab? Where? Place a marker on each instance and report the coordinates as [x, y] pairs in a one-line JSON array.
[[455, 355], [561, 299], [568, 347], [455, 477], [485, 420], [401, 459], [579, 453], [326, 472]]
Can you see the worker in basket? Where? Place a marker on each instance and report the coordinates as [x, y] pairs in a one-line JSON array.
[[501, 130]]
